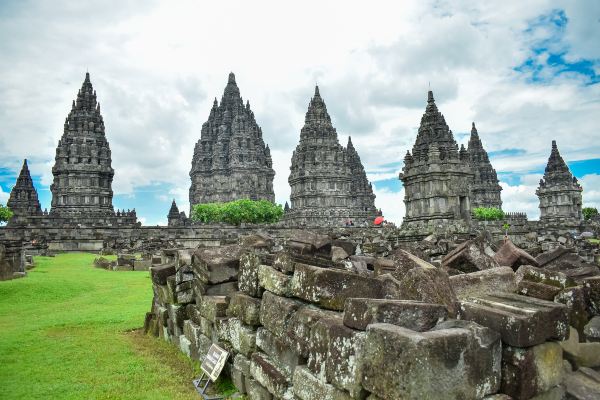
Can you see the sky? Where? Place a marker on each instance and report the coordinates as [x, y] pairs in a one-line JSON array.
[[525, 72]]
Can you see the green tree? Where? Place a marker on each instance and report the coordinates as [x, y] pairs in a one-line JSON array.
[[5, 213], [488, 213], [237, 212], [589, 212]]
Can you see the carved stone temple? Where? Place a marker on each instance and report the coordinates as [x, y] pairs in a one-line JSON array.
[[83, 175], [559, 193], [328, 182], [231, 160], [485, 189], [437, 175], [23, 200]]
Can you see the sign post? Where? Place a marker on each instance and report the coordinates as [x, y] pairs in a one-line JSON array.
[[212, 365]]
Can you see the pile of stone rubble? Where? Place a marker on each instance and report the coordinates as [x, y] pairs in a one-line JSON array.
[[308, 318]]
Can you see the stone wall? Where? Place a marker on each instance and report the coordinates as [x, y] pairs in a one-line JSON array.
[[12, 262], [304, 319]]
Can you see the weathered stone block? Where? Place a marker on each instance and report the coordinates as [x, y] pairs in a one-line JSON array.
[[274, 281], [212, 307], [320, 336], [221, 289], [576, 301], [592, 330], [160, 273], [461, 363], [592, 286], [164, 294], [542, 275], [256, 391], [248, 277], [308, 387], [192, 332], [239, 372], [300, 324], [266, 373], [177, 315], [185, 345], [282, 355], [489, 281], [213, 274], [344, 364], [538, 290], [242, 337], [125, 267], [330, 288], [522, 321], [141, 265], [284, 263], [581, 354], [527, 372], [415, 315], [584, 384], [244, 307], [509, 255], [275, 312]]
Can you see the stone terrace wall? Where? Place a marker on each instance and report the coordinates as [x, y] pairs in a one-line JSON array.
[[299, 325]]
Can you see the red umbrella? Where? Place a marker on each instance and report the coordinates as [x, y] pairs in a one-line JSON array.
[[378, 220]]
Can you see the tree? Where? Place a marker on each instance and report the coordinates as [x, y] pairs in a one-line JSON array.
[[5, 213], [589, 212], [237, 212], [488, 213]]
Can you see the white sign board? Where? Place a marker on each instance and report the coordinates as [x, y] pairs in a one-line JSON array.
[[214, 362]]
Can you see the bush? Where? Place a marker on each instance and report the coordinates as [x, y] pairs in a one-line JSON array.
[[488, 214], [5, 213], [589, 212], [237, 212]]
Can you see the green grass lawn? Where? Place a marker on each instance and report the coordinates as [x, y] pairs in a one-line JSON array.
[[71, 331]]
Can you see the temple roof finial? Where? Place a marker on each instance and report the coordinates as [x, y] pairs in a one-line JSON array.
[[231, 78], [430, 98]]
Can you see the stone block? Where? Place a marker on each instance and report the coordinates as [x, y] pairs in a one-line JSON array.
[[538, 290], [556, 393], [164, 294], [338, 254], [470, 256], [141, 265], [576, 301], [542, 275], [185, 345], [308, 387], [266, 373], [282, 355], [319, 345], [212, 307], [213, 274], [330, 288], [522, 321], [283, 262], [509, 255], [256, 391], [125, 267], [239, 372], [184, 274], [192, 332], [584, 384], [454, 363], [160, 273], [221, 289], [248, 277], [592, 330], [528, 372], [592, 286], [244, 307], [242, 337], [300, 324], [581, 354], [414, 315], [275, 312], [274, 281], [489, 281], [177, 315], [344, 364]]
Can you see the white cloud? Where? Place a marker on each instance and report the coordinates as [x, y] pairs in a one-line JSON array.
[[591, 190], [391, 203], [4, 196]]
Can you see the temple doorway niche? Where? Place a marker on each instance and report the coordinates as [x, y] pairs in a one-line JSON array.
[[464, 207]]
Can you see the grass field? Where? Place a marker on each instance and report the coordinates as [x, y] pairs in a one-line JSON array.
[[71, 331]]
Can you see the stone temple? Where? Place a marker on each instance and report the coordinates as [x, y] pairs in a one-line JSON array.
[[437, 175], [231, 160], [559, 193], [83, 175], [328, 182], [23, 200], [485, 189]]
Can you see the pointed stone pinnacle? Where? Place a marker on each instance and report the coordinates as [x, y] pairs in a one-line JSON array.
[[231, 78]]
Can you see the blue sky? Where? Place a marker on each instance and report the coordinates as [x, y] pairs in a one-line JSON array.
[[526, 72]]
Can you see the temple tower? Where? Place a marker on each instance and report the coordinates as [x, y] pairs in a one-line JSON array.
[[436, 176], [559, 193], [485, 191], [23, 200], [231, 160], [176, 218], [83, 175], [328, 183]]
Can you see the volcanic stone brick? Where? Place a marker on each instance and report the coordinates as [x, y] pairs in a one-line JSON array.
[[542, 275], [160, 273], [584, 384], [221, 289], [470, 256], [319, 345], [308, 387], [593, 287], [282, 355], [185, 345], [330, 288], [239, 372], [415, 315], [177, 315], [256, 391], [212, 307], [248, 277], [592, 330], [493, 280], [275, 311], [576, 301], [522, 321], [527, 372], [509, 255], [455, 363], [538, 290], [266, 373], [165, 296], [193, 312], [241, 337], [300, 324], [193, 333], [141, 265], [344, 365], [283, 262], [274, 281], [580, 354], [244, 307]]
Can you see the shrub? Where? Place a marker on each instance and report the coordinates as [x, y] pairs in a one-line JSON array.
[[488, 213], [5, 213], [237, 212], [589, 212]]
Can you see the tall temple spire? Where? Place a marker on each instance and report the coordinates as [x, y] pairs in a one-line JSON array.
[[485, 189], [23, 200], [317, 116], [83, 175], [559, 193]]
